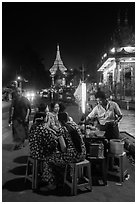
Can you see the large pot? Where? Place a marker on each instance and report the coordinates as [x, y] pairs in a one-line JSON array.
[[116, 146]]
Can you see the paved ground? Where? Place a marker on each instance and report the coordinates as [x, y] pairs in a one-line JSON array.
[[15, 190]]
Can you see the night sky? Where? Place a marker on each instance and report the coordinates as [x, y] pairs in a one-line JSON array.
[[31, 31]]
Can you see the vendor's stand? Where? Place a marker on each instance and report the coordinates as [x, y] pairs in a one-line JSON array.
[[95, 143], [107, 158]]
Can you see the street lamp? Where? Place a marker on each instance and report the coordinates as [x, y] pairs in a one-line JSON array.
[[18, 78], [19, 81]]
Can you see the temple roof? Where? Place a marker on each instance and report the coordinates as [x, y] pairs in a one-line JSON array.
[[58, 64]]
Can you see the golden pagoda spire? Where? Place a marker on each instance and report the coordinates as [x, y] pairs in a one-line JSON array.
[[58, 64]]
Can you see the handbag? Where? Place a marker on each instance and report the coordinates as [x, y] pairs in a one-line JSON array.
[[62, 144]]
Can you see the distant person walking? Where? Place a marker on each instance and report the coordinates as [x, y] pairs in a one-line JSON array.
[[19, 112]]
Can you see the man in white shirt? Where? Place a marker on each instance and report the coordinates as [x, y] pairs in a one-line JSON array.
[[108, 114]]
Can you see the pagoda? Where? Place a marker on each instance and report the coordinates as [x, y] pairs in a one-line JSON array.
[[58, 70]]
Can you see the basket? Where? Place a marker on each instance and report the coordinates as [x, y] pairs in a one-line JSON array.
[[116, 146]]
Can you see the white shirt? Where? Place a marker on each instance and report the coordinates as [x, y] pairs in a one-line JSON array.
[[106, 115]]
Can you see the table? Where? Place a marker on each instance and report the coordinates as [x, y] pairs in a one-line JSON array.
[[91, 139], [96, 146]]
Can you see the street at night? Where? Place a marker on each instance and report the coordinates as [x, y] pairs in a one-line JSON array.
[[14, 164], [68, 73]]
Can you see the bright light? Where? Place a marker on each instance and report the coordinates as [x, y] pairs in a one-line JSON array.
[[83, 97], [30, 95], [105, 55], [113, 50], [129, 49], [27, 95], [18, 78]]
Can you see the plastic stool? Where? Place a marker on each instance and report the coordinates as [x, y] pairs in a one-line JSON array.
[[32, 171], [116, 165], [80, 171], [103, 167]]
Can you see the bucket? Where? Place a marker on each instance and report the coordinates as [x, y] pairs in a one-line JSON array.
[[116, 146]]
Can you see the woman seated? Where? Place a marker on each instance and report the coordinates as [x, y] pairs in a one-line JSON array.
[[52, 117], [41, 114], [75, 150], [42, 140], [62, 108]]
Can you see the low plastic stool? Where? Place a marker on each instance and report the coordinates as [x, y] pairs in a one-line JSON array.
[[103, 167], [32, 171], [80, 170], [116, 165]]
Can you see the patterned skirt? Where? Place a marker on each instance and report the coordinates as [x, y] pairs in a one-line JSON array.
[[58, 161]]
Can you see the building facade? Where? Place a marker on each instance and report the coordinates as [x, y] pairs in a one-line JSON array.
[[117, 67]]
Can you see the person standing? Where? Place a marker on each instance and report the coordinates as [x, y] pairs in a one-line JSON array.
[[19, 113], [108, 114]]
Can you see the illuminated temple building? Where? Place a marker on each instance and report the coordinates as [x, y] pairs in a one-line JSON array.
[[58, 71], [117, 67]]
